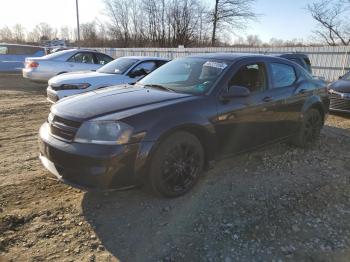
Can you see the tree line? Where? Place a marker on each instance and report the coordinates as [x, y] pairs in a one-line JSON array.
[[150, 23], [192, 23]]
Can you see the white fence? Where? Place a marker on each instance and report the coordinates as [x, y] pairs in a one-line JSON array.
[[328, 61]]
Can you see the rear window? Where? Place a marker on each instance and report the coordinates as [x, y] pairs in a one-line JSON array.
[[283, 75]]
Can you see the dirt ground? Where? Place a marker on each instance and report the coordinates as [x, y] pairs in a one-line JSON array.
[[276, 204]]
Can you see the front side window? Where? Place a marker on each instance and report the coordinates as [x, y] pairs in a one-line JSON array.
[[147, 67], [251, 76], [187, 75], [283, 75], [85, 58], [118, 66], [3, 50]]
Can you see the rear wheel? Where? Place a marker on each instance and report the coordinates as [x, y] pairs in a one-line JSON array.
[[176, 165], [310, 129]]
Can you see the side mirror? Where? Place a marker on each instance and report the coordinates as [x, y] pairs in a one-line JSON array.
[[236, 91]]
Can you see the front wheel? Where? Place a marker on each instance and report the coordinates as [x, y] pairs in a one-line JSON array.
[[309, 130], [176, 165]]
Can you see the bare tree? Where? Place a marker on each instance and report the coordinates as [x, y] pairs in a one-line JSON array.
[[233, 13], [332, 19], [6, 34], [254, 40], [19, 33], [156, 22], [42, 32], [65, 33]]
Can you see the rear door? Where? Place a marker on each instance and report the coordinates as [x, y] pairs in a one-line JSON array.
[[286, 103]]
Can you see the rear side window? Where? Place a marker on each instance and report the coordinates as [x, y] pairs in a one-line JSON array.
[[282, 75]]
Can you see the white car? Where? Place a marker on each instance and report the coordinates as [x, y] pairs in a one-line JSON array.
[[41, 69], [124, 70]]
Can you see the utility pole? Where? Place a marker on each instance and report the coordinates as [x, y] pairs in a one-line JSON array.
[[78, 26]]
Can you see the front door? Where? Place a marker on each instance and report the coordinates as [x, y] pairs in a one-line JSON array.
[[244, 122]]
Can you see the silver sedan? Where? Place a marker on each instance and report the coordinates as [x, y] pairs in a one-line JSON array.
[[41, 69]]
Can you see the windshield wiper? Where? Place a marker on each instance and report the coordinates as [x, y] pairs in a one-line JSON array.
[[160, 87]]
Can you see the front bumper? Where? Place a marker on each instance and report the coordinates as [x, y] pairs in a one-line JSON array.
[[87, 165]]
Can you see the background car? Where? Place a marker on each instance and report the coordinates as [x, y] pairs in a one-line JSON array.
[[339, 94], [124, 70], [13, 56], [164, 130], [41, 69], [301, 59]]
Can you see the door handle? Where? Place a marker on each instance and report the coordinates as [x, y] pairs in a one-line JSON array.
[[267, 99]]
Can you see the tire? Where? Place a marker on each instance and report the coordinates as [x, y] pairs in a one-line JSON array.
[[309, 130], [176, 165]]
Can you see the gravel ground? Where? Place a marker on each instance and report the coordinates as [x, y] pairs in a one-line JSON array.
[[276, 204]]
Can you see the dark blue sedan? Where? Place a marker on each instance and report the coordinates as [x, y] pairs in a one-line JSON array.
[[166, 129]]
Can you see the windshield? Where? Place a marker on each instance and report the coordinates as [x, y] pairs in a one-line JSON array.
[[118, 66], [186, 75]]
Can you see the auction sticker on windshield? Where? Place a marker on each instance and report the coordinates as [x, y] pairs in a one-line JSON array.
[[215, 64]]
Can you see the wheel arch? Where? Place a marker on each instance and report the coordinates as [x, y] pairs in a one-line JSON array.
[[146, 152], [314, 102]]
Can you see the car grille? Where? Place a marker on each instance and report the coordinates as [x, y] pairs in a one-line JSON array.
[[63, 129], [339, 103]]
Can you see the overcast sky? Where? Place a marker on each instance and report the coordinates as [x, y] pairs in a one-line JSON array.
[[286, 19]]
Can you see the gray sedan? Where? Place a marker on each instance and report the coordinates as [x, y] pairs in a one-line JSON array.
[[43, 68], [124, 70]]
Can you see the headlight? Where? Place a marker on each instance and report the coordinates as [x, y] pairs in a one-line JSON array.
[[104, 132], [76, 86]]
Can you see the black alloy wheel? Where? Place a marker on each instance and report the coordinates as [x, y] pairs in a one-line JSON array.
[[177, 165]]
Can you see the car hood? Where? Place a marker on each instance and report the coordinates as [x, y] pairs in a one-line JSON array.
[[111, 100], [85, 77], [341, 86]]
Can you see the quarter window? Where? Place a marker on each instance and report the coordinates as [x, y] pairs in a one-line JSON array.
[[282, 75]]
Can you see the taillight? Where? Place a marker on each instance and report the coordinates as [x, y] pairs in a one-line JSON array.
[[32, 64]]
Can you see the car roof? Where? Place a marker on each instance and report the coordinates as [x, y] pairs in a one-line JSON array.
[[229, 56], [291, 55], [6, 44]]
